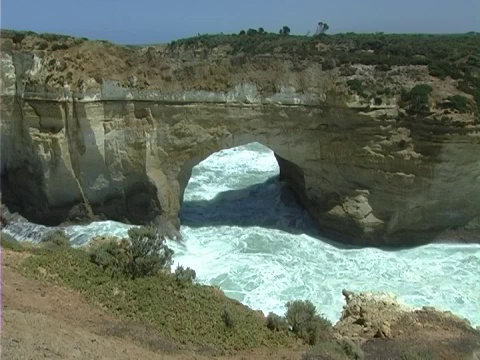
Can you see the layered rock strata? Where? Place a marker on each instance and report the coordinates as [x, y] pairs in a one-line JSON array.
[[94, 130]]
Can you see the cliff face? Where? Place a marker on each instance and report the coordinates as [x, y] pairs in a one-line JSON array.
[[90, 128]]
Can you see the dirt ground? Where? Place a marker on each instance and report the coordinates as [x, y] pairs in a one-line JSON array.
[[44, 321]]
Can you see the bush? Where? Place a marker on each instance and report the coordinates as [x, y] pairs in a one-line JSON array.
[[9, 242], [352, 350], [306, 323], [143, 254], [149, 253], [355, 85], [457, 102], [228, 319], [334, 350], [442, 69], [276, 322], [184, 275], [191, 315], [56, 237], [417, 98], [112, 255]]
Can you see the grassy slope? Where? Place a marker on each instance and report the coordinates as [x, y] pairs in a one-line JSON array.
[[186, 313], [191, 314]]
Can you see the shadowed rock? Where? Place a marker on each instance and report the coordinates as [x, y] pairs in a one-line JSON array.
[[118, 130]]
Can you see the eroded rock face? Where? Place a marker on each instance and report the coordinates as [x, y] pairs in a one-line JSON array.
[[91, 129]]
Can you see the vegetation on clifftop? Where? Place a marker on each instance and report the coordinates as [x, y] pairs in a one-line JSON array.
[[439, 52], [456, 55]]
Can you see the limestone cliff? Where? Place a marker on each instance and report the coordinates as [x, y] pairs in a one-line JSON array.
[[95, 129]]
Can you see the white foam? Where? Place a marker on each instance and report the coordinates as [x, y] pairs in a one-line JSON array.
[[265, 267], [256, 247]]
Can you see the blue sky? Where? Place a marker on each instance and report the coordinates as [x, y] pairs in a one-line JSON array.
[[153, 21]]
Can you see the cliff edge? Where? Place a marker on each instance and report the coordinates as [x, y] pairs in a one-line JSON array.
[[376, 134]]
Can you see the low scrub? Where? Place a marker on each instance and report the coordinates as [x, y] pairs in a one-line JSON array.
[[9, 242], [185, 275], [457, 102], [306, 323], [276, 322], [195, 314], [334, 350], [144, 253], [355, 85]]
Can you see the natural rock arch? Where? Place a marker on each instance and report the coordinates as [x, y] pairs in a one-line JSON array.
[[98, 141]]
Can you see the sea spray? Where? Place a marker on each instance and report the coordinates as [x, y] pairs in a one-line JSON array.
[[244, 231]]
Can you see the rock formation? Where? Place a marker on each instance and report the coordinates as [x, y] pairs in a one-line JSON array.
[[91, 129]]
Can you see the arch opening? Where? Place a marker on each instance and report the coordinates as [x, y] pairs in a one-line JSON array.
[[244, 186]]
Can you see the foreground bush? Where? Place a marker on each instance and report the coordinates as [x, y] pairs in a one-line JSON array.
[[276, 322], [193, 314], [112, 256], [143, 254], [334, 350], [56, 237], [9, 242], [184, 275], [306, 323]]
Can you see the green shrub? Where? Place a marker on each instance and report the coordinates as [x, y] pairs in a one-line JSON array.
[[442, 69], [276, 322], [355, 85], [471, 85], [306, 323], [191, 315], [377, 101], [143, 254], [149, 252], [112, 256], [457, 102], [9, 242], [228, 319], [334, 350], [56, 237], [352, 349], [184, 275], [385, 91], [417, 98]]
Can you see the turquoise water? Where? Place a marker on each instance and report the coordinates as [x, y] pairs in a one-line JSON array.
[[244, 231]]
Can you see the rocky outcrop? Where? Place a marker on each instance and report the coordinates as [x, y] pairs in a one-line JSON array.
[[94, 129], [386, 328]]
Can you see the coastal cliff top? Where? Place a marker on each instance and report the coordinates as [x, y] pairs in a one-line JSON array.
[[370, 66]]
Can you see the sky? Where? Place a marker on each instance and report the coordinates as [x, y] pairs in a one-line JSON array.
[[158, 21]]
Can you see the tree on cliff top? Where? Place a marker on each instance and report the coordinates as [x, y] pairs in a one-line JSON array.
[[284, 31], [322, 28]]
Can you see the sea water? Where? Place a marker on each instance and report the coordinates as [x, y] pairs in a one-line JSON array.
[[244, 231]]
